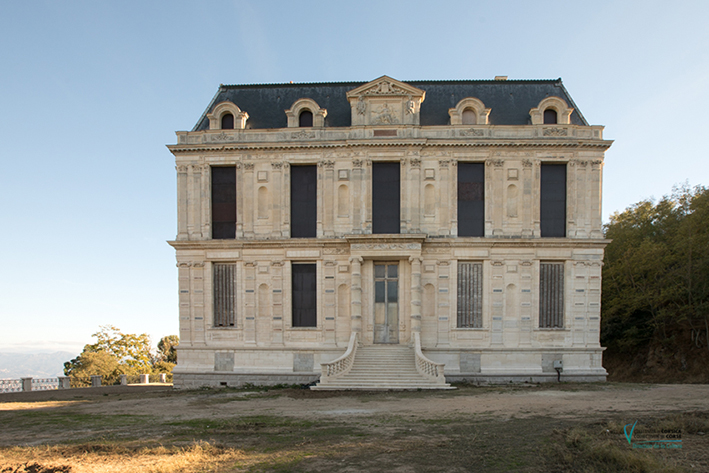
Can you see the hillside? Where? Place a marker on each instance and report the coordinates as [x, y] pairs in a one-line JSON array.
[[36, 365]]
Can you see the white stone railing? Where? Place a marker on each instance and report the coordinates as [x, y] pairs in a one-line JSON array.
[[45, 384], [426, 367], [10, 385], [343, 364]]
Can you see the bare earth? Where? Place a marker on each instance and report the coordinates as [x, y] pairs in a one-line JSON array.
[[145, 416]]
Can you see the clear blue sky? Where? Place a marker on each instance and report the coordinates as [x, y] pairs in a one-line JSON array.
[[91, 92]]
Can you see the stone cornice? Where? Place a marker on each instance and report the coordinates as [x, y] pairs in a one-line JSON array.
[[453, 242], [200, 149]]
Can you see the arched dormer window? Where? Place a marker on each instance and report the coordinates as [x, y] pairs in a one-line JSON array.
[[551, 111], [227, 116], [306, 113], [305, 119], [550, 116], [227, 121], [469, 111]]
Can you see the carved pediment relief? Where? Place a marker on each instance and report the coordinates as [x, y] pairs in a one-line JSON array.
[[385, 101]]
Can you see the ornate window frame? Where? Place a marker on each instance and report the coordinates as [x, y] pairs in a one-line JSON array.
[[481, 113], [563, 112], [300, 105], [215, 118]]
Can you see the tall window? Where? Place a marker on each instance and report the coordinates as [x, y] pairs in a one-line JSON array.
[[303, 201], [303, 289], [386, 198], [305, 119], [553, 200], [224, 292], [224, 203], [551, 295], [471, 199], [470, 295]]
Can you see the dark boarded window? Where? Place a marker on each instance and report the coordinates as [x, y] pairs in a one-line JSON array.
[[471, 199], [553, 200], [305, 119], [224, 284], [304, 295], [386, 198], [227, 121], [551, 295], [470, 295], [303, 201], [549, 116], [224, 203]]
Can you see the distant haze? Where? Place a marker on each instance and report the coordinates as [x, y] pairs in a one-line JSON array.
[[35, 365]]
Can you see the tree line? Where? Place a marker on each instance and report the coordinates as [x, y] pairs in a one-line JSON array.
[[656, 274], [116, 353]]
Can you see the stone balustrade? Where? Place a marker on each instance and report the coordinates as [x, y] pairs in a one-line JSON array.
[[341, 365], [426, 367]]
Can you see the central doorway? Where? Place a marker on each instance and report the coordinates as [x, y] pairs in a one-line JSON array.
[[386, 303]]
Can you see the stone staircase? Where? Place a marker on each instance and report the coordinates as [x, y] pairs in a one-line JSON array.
[[382, 367]]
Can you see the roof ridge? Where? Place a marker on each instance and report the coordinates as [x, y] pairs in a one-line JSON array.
[[419, 81]]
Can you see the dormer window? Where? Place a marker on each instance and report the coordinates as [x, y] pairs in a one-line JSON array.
[[227, 116], [227, 121], [305, 119], [551, 111], [469, 117], [306, 113], [469, 111], [550, 117]]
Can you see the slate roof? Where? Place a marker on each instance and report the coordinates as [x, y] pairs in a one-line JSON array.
[[509, 100]]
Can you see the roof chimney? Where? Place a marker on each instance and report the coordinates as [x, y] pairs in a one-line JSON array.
[[500, 77]]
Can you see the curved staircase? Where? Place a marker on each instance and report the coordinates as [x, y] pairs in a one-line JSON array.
[[382, 367]]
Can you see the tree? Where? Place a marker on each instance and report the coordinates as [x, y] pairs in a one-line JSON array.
[[132, 351], [167, 348], [656, 273], [90, 363]]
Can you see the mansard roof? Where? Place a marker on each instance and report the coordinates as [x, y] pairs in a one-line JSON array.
[[509, 100]]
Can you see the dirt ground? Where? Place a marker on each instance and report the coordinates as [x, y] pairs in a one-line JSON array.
[[551, 427]]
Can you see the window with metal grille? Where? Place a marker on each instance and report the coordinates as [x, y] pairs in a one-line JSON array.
[[303, 290], [551, 295], [386, 198], [470, 295], [224, 203], [303, 201], [224, 285], [553, 200], [471, 199]]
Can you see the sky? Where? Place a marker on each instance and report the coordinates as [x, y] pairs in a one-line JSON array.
[[91, 92]]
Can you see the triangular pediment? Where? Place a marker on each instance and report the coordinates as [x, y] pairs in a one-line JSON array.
[[386, 86]]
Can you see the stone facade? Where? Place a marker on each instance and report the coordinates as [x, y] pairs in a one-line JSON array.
[[386, 121]]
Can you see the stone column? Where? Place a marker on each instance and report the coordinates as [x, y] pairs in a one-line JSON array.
[[356, 294], [250, 303], [64, 382], [26, 384], [182, 202], [415, 294], [124, 380], [95, 381], [277, 183]]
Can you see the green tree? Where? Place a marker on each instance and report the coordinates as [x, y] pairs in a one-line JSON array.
[[167, 348], [656, 273], [90, 363], [132, 351]]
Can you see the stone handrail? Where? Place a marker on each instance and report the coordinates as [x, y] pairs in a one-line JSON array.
[[341, 365], [426, 367]]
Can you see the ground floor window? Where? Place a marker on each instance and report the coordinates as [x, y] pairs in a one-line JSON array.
[[470, 295], [224, 284], [551, 295], [304, 291]]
